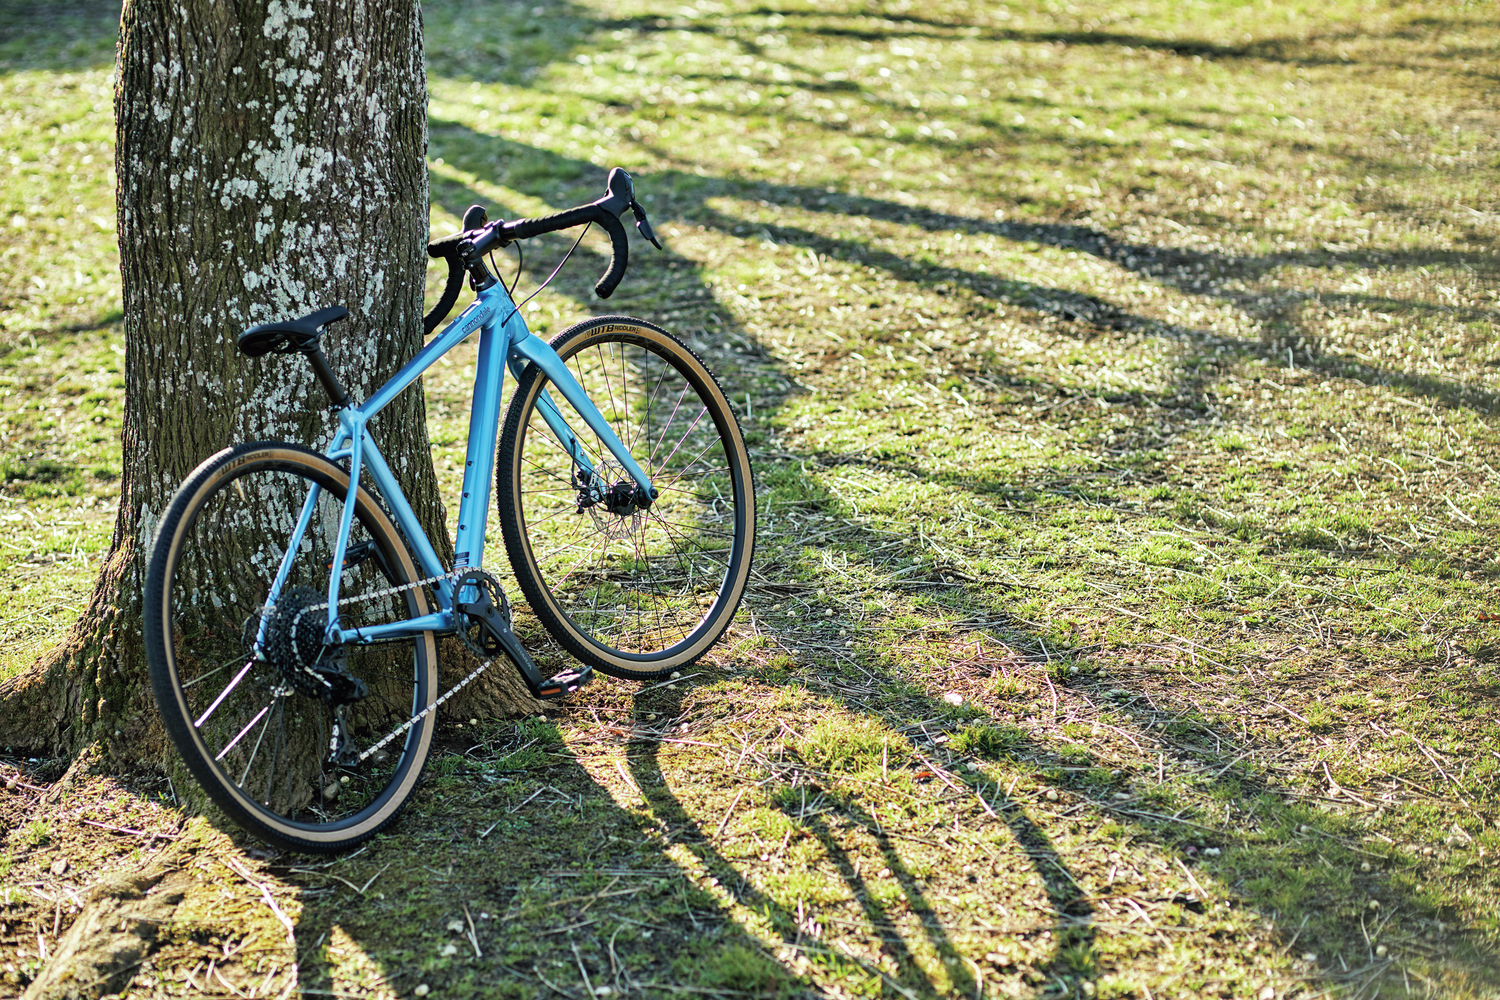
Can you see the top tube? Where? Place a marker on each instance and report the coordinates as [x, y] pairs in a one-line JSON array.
[[491, 301]]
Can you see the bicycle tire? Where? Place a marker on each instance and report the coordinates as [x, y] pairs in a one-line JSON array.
[[641, 594], [206, 615]]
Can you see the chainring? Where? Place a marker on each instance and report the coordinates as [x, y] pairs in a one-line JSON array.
[[473, 635]]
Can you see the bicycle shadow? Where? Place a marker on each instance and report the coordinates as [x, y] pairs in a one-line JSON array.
[[1088, 315], [879, 909], [1087, 688]]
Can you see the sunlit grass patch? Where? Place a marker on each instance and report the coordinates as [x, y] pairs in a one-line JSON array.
[[1127, 374], [849, 745]]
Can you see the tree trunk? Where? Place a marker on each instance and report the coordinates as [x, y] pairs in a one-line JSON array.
[[271, 161]]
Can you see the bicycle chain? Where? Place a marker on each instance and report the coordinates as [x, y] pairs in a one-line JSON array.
[[463, 636]]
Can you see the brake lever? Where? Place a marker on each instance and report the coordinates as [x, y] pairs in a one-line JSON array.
[[643, 224]]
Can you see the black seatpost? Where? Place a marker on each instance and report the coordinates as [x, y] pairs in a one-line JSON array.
[[336, 393]]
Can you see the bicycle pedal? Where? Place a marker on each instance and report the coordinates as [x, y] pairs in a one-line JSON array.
[[567, 682]]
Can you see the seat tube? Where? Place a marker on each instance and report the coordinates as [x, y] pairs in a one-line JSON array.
[[294, 542], [484, 426], [346, 518]]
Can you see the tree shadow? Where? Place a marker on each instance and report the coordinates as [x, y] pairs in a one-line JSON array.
[[877, 26], [442, 856], [1188, 270], [1193, 272], [1181, 741], [1254, 814]]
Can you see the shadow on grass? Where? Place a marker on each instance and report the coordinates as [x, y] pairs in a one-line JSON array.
[[1184, 741], [522, 884], [1191, 272], [504, 867], [798, 927], [1187, 744], [879, 25]]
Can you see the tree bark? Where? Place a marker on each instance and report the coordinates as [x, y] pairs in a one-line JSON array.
[[271, 161]]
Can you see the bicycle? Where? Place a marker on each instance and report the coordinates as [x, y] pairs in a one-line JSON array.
[[293, 602]]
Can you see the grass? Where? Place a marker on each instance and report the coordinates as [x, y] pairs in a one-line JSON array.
[[1122, 384]]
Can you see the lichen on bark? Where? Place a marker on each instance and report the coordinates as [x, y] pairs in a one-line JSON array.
[[270, 161]]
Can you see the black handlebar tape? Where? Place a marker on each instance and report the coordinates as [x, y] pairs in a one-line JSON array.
[[619, 255], [524, 229], [619, 195], [447, 246], [451, 292]]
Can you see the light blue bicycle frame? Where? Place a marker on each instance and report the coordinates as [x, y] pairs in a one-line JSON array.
[[503, 342]]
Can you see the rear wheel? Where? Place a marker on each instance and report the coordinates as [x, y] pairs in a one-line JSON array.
[[633, 592], [247, 690]]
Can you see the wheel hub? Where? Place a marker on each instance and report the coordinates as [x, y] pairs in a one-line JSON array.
[[622, 499]]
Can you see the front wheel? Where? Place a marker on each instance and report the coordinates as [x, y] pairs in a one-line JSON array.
[[235, 656], [633, 592]]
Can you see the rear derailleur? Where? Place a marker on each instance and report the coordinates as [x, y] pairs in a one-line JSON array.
[[296, 647]]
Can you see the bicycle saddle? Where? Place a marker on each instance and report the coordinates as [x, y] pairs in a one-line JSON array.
[[286, 336]]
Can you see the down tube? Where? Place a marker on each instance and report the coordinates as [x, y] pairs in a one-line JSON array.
[[537, 351]]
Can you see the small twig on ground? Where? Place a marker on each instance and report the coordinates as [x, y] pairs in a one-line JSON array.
[[1288, 946], [370, 881], [614, 960], [1458, 788], [473, 938], [872, 968], [265, 893], [628, 782], [585, 972], [528, 799], [309, 871], [668, 683], [126, 829], [1191, 880], [965, 791], [554, 987], [727, 813], [227, 984]]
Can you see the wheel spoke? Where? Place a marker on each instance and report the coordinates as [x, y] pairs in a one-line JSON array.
[[646, 581], [241, 734], [228, 690], [264, 732]]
